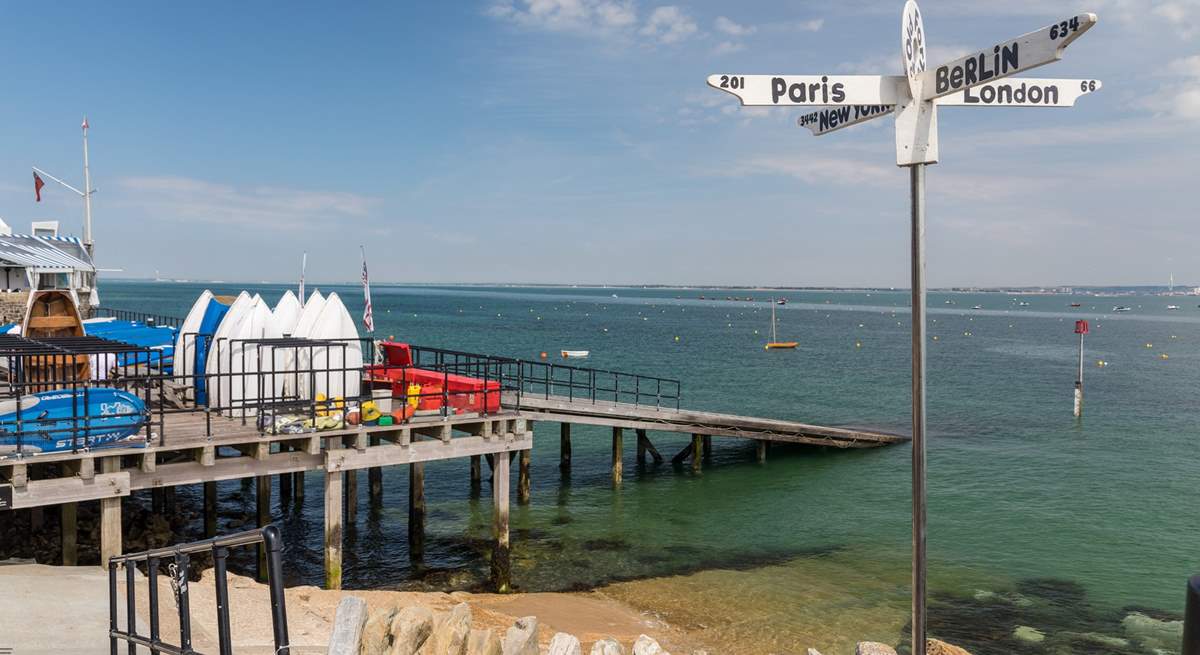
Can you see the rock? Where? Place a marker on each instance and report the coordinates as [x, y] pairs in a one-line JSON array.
[[521, 639], [1107, 641], [1152, 633], [873, 648], [813, 651], [646, 645], [564, 644], [1029, 635], [608, 646], [348, 625], [450, 635], [483, 642], [377, 633], [410, 629], [935, 647]]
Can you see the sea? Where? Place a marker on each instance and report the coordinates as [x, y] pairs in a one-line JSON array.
[[1047, 533]]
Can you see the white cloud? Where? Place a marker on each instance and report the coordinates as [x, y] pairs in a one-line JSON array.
[[727, 47], [731, 28], [590, 16], [1180, 97], [813, 25], [669, 24], [192, 200]]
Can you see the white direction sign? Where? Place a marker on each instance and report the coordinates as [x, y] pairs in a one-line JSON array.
[[912, 46], [1015, 92], [1004, 59], [802, 90], [1022, 92]]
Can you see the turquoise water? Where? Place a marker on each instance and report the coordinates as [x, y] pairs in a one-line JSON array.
[[1019, 490]]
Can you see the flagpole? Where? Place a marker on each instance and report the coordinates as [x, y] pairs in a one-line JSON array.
[[303, 268], [87, 193]]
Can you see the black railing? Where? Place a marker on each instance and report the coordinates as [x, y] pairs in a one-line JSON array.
[[593, 385], [179, 560], [1191, 618], [140, 317]]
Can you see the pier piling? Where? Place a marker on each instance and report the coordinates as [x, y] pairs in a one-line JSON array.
[[618, 439], [69, 524], [333, 530], [298, 485], [501, 571], [524, 491], [262, 495], [564, 444], [760, 451], [351, 498], [707, 447], [110, 516], [697, 452], [416, 510], [285, 479], [476, 473], [641, 447], [210, 509], [375, 479]]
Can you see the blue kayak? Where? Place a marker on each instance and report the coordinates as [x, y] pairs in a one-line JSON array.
[[55, 421]]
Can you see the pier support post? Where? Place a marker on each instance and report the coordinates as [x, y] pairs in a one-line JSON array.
[[416, 511], [618, 445], [156, 500], [36, 519], [351, 497], [523, 486], [262, 500], [68, 513], [298, 484], [501, 571], [564, 444], [760, 451], [375, 479], [110, 516], [641, 447], [69, 526], [333, 530], [707, 446], [476, 472], [697, 452], [285, 480], [169, 501], [210, 509]]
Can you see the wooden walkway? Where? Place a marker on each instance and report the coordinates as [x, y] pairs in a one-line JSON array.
[[642, 417]]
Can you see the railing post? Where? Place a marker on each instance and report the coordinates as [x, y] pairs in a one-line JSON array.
[[274, 548], [152, 583], [130, 606], [225, 641], [180, 584], [112, 607]]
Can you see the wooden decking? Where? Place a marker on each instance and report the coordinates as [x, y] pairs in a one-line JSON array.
[[641, 417]]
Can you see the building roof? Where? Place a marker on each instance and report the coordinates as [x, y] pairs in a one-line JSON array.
[[45, 254]]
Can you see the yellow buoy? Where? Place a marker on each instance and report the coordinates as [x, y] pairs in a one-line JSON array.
[[1163, 356], [1149, 345], [858, 344], [677, 338], [935, 338]]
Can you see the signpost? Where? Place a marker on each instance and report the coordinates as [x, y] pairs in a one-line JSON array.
[[914, 98], [1081, 328]]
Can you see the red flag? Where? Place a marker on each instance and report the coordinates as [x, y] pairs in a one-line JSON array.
[[37, 186]]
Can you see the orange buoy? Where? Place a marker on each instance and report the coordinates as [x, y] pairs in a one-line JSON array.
[[543, 354]]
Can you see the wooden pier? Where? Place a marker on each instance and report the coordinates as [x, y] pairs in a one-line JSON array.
[[192, 445], [204, 449]]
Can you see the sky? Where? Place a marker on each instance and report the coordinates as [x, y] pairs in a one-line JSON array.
[[576, 141]]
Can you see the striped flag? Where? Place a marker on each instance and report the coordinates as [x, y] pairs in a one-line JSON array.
[[368, 319]]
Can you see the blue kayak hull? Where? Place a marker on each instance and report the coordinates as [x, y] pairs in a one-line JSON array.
[[56, 421]]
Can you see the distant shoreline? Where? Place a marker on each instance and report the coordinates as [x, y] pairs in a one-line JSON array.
[[1056, 290]]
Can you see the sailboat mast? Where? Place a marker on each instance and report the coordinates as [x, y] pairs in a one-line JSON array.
[[87, 193], [773, 339]]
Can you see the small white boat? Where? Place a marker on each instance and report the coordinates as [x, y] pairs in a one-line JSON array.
[[1121, 309], [574, 354], [977, 307], [1173, 307]]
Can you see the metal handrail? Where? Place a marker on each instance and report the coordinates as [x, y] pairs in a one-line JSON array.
[[219, 547]]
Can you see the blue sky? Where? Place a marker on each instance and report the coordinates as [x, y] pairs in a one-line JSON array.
[[576, 141]]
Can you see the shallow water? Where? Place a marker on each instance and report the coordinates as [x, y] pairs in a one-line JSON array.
[[812, 548]]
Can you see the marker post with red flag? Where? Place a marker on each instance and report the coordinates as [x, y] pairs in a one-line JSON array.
[[1081, 328]]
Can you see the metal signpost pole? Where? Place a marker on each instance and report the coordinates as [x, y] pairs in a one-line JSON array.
[[917, 177], [975, 80]]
